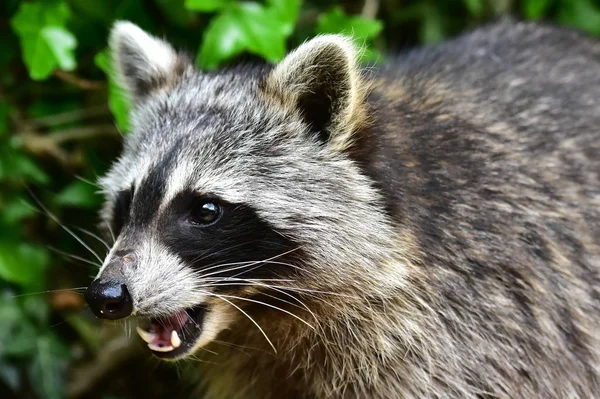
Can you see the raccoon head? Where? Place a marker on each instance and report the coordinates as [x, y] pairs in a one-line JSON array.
[[232, 183]]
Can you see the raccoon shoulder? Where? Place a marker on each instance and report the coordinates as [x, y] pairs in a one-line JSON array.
[[481, 106]]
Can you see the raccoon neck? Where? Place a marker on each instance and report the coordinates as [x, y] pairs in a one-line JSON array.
[[359, 335]]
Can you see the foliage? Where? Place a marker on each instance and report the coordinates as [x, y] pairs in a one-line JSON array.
[[61, 112]]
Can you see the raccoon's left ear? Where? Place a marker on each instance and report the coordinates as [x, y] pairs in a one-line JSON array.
[[321, 81], [143, 63]]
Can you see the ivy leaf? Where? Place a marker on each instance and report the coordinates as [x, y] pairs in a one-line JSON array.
[[48, 366], [256, 28], [287, 12], [33, 16], [45, 42], [337, 21], [222, 40], [79, 194], [15, 209], [21, 262], [17, 329], [14, 165], [62, 44], [535, 9], [118, 103], [581, 14], [476, 7], [432, 28], [206, 5], [361, 29]]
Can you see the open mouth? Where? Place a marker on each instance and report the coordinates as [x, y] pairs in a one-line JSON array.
[[175, 335]]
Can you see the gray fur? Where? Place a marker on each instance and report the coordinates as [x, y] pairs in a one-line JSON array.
[[449, 224]]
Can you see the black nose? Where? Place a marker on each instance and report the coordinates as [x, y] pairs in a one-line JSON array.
[[109, 299]]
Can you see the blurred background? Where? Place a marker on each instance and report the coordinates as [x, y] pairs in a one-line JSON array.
[[61, 122]]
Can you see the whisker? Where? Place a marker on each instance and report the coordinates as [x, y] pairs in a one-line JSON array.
[[208, 253], [240, 347], [248, 264], [218, 279], [53, 217], [218, 265], [197, 359], [249, 318], [268, 305], [79, 258], [50, 291], [303, 305], [241, 265], [110, 230], [305, 290], [211, 253], [298, 289], [91, 183], [97, 237], [262, 263]]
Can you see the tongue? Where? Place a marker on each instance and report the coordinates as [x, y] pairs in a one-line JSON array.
[[164, 327]]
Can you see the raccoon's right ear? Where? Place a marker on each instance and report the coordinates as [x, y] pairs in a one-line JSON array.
[[321, 81], [143, 63]]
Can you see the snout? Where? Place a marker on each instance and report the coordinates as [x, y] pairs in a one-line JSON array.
[[109, 299]]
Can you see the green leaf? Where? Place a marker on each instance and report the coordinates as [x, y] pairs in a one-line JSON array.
[[222, 40], [337, 21], [79, 194], [45, 42], [21, 262], [581, 14], [206, 5], [242, 27], [48, 367], [361, 29], [432, 25], [536, 9], [15, 210], [287, 12], [33, 16], [476, 7], [118, 103], [14, 165], [62, 44], [36, 307], [17, 329]]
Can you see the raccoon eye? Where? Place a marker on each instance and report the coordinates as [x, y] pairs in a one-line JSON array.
[[204, 212]]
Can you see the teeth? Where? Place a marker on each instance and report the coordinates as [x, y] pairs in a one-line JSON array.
[[148, 337], [157, 348], [175, 340]]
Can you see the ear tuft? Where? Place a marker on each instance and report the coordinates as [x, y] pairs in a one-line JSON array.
[[143, 63], [322, 82]]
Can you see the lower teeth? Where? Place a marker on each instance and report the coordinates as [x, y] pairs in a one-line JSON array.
[[157, 348], [149, 338]]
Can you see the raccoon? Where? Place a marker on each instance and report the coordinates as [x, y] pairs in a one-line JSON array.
[[429, 228]]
